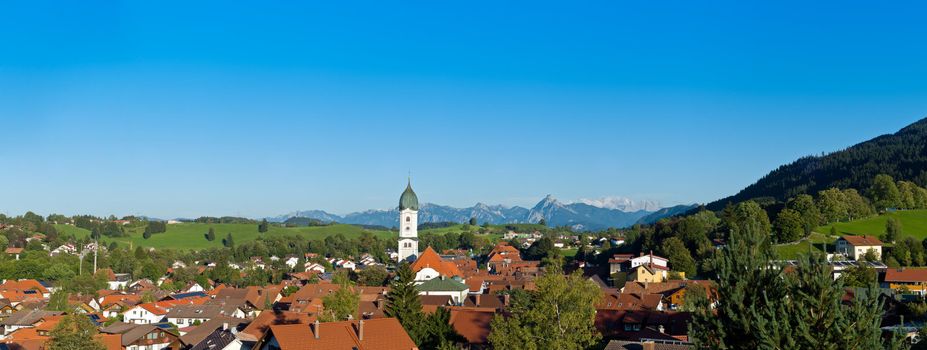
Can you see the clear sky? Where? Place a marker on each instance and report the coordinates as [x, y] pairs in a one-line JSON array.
[[182, 109]]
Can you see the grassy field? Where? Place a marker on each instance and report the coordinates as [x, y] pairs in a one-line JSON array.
[[913, 223], [815, 241], [192, 235]]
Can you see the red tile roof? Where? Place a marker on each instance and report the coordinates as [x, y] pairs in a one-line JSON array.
[[906, 275], [472, 324], [862, 240], [430, 258], [378, 334]]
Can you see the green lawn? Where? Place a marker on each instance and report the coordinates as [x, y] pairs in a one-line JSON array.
[[913, 223], [815, 241], [192, 235]]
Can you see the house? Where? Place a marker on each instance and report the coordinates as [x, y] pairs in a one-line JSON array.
[[430, 265], [452, 287], [648, 344], [378, 334], [649, 273], [311, 266], [147, 313], [218, 334], [650, 259], [910, 280], [64, 249], [472, 325], [673, 293], [856, 247], [14, 251], [619, 263], [141, 336], [261, 324], [190, 315], [291, 261], [25, 319], [502, 254]]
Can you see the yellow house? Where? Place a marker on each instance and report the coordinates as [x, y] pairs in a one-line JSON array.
[[912, 280], [650, 273]]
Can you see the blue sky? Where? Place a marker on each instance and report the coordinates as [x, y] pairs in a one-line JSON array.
[[221, 108]]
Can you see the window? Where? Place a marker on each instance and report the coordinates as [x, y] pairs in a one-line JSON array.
[[407, 228], [408, 218]]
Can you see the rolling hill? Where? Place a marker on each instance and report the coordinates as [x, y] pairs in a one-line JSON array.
[[903, 155]]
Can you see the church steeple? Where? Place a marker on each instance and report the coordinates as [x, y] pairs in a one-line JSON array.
[[408, 200], [408, 224]]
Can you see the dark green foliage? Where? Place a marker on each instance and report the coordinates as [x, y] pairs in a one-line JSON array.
[[146, 234], [229, 242], [473, 221], [155, 227], [263, 226], [884, 193], [402, 303], [789, 226], [372, 276], [211, 235], [860, 276], [679, 257], [224, 220], [541, 249], [74, 331], [901, 155], [438, 331], [893, 230], [809, 212], [763, 308]]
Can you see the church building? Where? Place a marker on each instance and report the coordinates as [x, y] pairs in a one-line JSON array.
[[408, 225]]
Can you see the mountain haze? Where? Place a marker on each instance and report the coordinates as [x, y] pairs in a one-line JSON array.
[[578, 215]]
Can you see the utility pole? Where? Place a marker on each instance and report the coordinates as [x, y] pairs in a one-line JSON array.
[[96, 248]]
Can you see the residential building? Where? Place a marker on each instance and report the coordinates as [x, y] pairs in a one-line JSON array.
[[377, 334], [856, 247]]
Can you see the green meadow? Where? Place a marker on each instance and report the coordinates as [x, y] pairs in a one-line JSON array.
[[913, 223], [192, 235]]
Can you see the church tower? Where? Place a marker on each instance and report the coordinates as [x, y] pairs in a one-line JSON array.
[[408, 224]]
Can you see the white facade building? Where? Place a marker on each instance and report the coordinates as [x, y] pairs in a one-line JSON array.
[[408, 224]]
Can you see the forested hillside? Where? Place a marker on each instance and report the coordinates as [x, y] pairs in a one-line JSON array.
[[902, 155]]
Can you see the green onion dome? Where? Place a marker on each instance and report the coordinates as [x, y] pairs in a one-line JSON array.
[[408, 200]]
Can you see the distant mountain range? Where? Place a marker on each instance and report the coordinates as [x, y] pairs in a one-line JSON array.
[[903, 155], [584, 214]]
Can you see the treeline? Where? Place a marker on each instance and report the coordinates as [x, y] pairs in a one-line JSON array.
[[223, 220], [689, 241], [901, 155]]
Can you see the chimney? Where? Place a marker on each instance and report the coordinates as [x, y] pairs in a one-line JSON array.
[[225, 326], [316, 329], [648, 345], [505, 299], [477, 297], [661, 329], [360, 330]]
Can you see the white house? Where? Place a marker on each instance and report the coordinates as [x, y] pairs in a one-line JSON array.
[[291, 261], [855, 247], [443, 286], [649, 259], [311, 266], [146, 313], [64, 249]]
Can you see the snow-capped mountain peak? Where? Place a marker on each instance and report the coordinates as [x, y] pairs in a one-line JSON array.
[[621, 203]]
